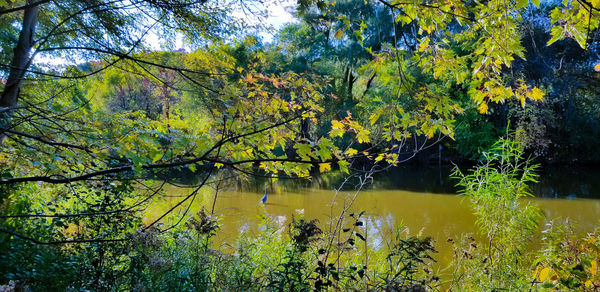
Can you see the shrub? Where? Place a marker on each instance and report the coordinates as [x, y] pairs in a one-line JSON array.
[[508, 224]]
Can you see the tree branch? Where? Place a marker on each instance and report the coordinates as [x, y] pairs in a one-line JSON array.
[[23, 7], [56, 179]]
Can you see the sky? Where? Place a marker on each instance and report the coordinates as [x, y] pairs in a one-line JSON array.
[[278, 14]]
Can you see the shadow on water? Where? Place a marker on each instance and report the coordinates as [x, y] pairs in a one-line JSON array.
[[566, 182], [554, 181]]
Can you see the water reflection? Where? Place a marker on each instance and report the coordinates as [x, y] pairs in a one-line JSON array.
[[569, 182], [437, 215], [554, 182]]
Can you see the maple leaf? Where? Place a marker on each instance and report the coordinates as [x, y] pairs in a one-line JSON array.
[[535, 94], [483, 108], [323, 167]]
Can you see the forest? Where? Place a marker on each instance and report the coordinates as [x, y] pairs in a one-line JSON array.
[[133, 131]]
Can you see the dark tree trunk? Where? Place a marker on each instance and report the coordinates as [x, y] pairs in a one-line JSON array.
[[305, 129], [351, 79], [19, 64], [21, 60]]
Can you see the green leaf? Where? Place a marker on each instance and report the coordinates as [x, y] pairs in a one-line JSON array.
[[557, 34], [343, 164], [303, 150], [523, 3]]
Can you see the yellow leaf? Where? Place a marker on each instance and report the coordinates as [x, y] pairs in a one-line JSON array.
[[536, 94], [324, 167], [483, 108], [589, 284], [544, 273], [339, 33], [218, 165], [597, 67], [337, 129], [537, 271], [594, 268], [522, 99], [363, 136], [336, 132], [596, 4], [336, 125], [424, 45], [351, 152], [374, 117]]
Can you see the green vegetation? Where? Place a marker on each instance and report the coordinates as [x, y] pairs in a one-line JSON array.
[[504, 260], [495, 189], [358, 87]]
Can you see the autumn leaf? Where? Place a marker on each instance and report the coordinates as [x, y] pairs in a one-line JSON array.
[[544, 273], [323, 167], [335, 124], [374, 117], [250, 79], [589, 284], [483, 108], [536, 94], [339, 33], [351, 152], [363, 136], [537, 271]]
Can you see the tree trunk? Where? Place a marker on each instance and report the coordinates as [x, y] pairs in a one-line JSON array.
[[305, 129], [351, 79], [20, 61]]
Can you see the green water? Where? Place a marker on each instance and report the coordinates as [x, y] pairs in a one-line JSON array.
[[437, 215]]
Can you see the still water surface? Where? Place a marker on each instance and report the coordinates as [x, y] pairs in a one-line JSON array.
[[439, 215]]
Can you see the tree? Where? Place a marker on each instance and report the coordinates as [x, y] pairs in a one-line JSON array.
[[471, 53], [92, 28], [59, 135], [250, 121]]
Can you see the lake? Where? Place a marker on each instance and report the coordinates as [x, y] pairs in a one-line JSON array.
[[415, 197]]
